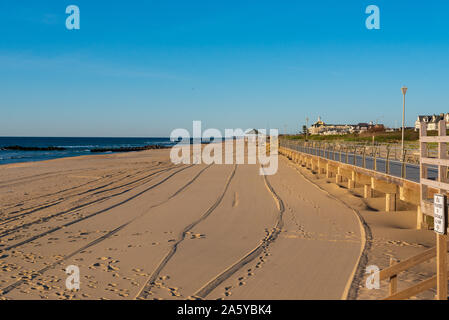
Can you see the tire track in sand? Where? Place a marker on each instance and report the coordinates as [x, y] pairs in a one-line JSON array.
[[102, 179], [49, 204], [9, 183], [84, 205], [40, 272], [250, 256], [93, 214], [146, 287]]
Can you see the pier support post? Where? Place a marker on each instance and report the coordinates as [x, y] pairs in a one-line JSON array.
[[419, 218], [390, 202], [328, 171], [367, 191], [338, 178], [314, 166], [322, 167], [351, 184]]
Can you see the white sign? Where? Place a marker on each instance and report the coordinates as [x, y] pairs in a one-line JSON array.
[[439, 213]]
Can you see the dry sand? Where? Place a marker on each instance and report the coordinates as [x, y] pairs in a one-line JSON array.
[[139, 227], [388, 234]]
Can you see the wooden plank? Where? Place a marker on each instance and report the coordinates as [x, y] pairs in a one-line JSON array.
[[435, 139], [414, 290], [435, 184], [393, 286], [406, 264], [435, 161], [441, 267], [410, 195], [362, 178], [384, 186], [427, 207]]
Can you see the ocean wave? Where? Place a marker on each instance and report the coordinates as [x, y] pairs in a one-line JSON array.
[[18, 157], [79, 146]]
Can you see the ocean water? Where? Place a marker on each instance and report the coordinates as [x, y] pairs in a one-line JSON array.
[[74, 147]]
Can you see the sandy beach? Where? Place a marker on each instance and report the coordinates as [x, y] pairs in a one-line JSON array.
[[229, 159], [139, 227]]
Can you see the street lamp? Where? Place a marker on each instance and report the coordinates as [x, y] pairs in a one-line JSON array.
[[307, 127], [404, 91]]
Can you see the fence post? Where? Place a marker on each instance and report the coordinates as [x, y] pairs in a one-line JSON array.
[[442, 238], [423, 153], [403, 167], [364, 157], [339, 149], [441, 267], [387, 161], [354, 162], [393, 286], [375, 159]]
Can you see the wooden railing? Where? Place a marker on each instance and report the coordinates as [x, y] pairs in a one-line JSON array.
[[441, 184], [391, 273]]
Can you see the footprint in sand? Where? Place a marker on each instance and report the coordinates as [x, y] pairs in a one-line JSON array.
[[235, 201], [197, 236]]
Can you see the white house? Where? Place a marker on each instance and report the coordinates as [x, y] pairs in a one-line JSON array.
[[432, 121]]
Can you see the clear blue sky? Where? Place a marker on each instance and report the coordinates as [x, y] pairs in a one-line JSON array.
[[143, 68]]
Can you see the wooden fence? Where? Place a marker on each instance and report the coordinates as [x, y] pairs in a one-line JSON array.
[[428, 188]]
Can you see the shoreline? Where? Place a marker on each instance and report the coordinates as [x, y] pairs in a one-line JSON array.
[[33, 149]]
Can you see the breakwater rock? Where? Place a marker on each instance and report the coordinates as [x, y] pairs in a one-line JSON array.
[[20, 148], [129, 149]]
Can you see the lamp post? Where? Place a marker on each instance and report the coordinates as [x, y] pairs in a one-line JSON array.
[[307, 127], [404, 91]]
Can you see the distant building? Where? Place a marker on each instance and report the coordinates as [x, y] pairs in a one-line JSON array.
[[254, 134], [432, 121], [321, 128]]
